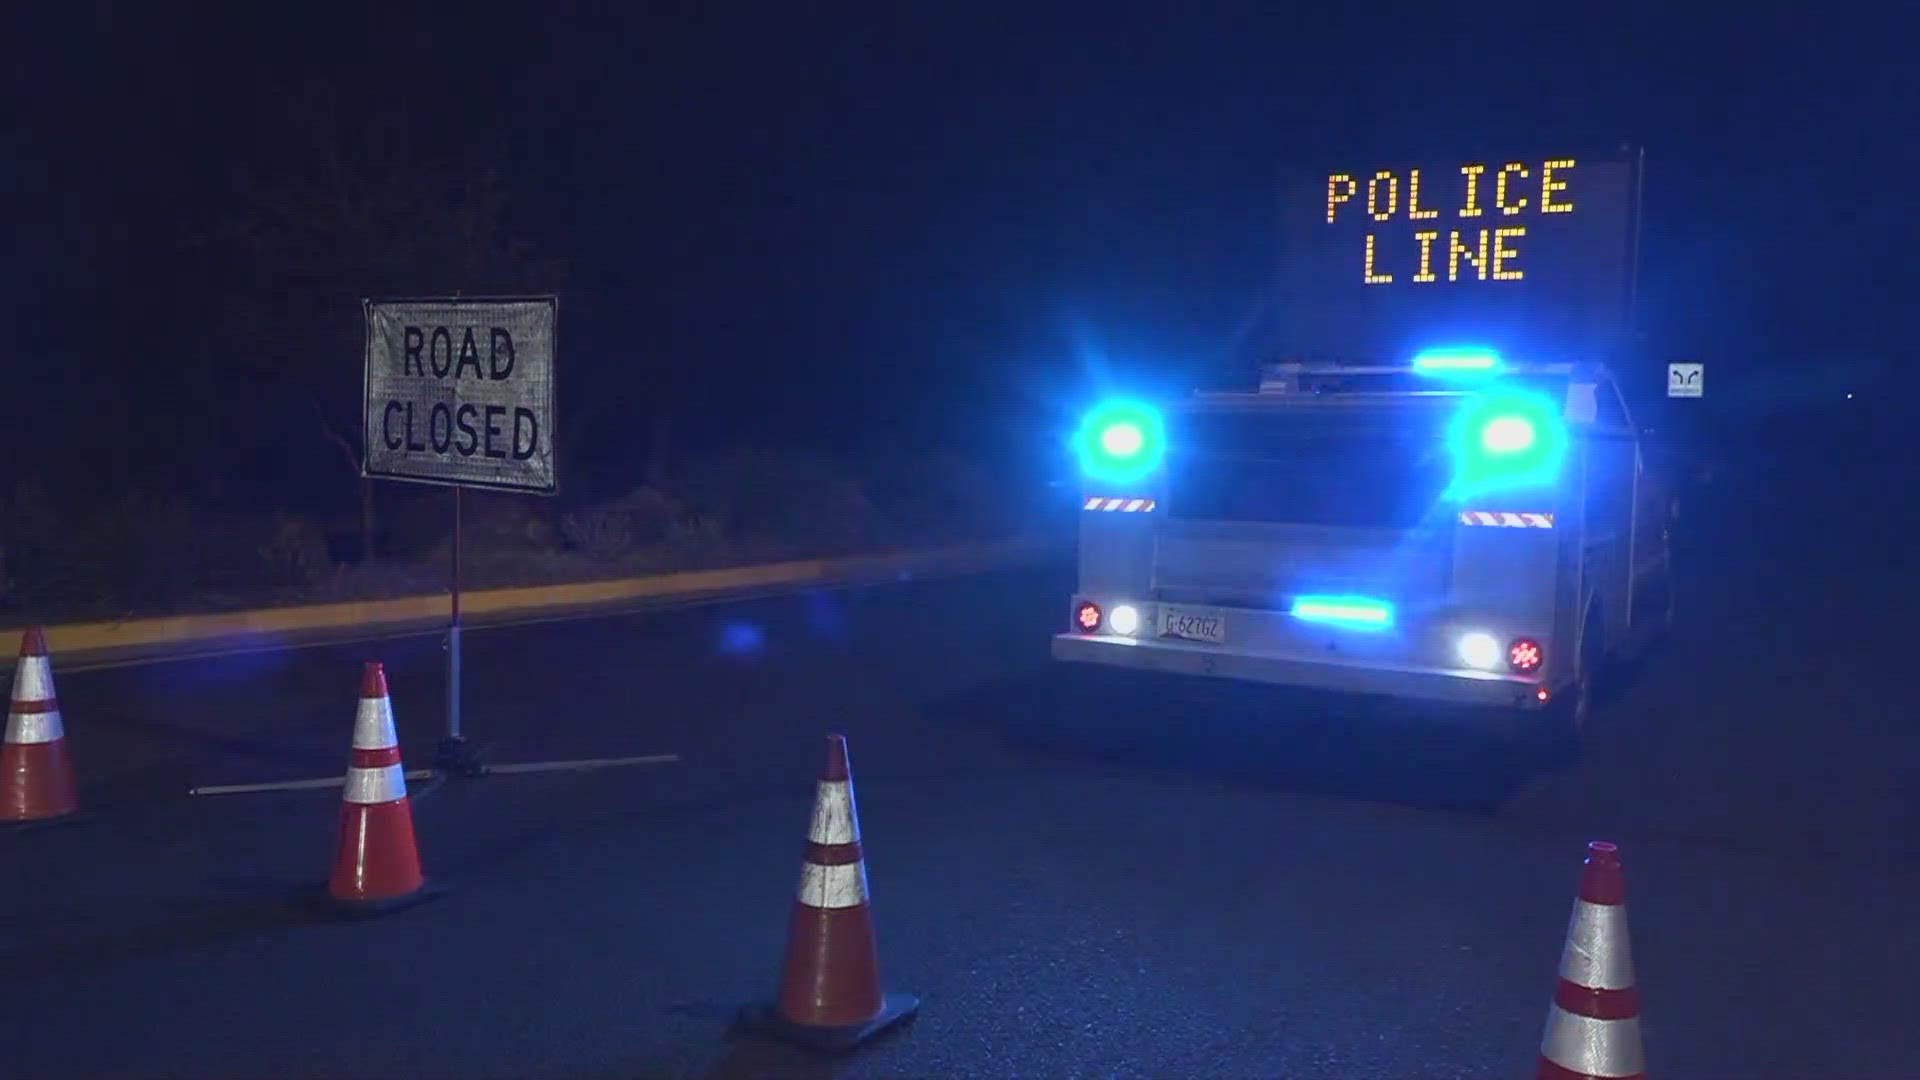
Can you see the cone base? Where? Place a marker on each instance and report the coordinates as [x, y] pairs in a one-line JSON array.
[[322, 901], [766, 1021], [72, 817]]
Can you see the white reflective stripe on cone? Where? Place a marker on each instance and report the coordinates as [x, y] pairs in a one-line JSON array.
[[372, 786], [29, 727], [833, 821], [833, 886], [33, 679], [1593, 1047], [373, 725], [1598, 955]]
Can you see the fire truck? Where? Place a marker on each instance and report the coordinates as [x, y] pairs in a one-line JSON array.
[[1473, 525]]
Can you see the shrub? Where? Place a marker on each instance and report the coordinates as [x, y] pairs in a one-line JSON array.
[[29, 524], [520, 525], [603, 532], [294, 555], [944, 496], [707, 485], [645, 517], [798, 498], [140, 549]]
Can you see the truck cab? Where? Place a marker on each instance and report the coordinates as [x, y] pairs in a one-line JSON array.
[[1455, 528]]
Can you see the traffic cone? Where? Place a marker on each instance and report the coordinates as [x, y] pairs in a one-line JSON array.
[[376, 864], [1593, 1026], [36, 775], [830, 994]]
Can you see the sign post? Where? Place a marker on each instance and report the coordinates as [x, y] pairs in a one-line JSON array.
[[459, 392], [453, 749]]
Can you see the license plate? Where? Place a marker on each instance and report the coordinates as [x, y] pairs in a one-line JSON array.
[[1193, 624]]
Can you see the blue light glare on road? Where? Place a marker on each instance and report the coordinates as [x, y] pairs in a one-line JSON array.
[[826, 616], [742, 639], [1347, 612]]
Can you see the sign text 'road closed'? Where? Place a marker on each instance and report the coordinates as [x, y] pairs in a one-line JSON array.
[[461, 392]]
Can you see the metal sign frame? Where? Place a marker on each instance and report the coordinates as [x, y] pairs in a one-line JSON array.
[[552, 402]]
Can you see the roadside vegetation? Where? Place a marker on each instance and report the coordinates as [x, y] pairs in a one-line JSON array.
[[133, 554]]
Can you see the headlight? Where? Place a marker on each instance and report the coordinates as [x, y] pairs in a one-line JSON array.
[[1479, 650]]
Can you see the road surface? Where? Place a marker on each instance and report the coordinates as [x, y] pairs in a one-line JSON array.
[[1080, 880]]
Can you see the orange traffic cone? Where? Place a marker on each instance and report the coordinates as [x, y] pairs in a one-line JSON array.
[[376, 863], [830, 993], [1593, 1026], [36, 775]]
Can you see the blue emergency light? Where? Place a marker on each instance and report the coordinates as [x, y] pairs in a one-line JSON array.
[[1346, 612], [1120, 441], [1457, 361], [1505, 438]]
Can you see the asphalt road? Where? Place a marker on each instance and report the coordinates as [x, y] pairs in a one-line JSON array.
[[1080, 878]]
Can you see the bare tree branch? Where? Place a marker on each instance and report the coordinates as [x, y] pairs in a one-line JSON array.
[[330, 432]]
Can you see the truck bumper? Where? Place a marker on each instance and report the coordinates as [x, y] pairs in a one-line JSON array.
[[1181, 658]]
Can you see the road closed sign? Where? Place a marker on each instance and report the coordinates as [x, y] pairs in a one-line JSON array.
[[460, 392]]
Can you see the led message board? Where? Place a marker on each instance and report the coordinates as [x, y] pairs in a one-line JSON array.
[[1532, 254]]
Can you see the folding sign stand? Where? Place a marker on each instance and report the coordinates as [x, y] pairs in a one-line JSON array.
[[419, 355], [456, 758]]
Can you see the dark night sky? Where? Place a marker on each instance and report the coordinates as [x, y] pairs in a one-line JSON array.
[[889, 223]]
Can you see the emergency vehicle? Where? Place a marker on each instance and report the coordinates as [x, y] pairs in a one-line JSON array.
[[1401, 531], [1455, 525]]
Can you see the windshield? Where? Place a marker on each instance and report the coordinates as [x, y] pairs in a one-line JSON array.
[[1384, 469]]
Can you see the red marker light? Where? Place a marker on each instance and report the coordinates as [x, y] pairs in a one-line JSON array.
[[1525, 655], [1087, 617]]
